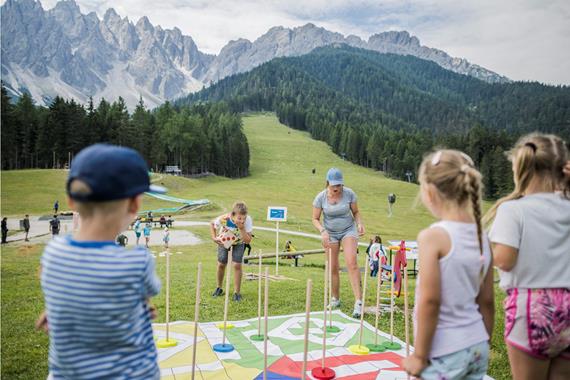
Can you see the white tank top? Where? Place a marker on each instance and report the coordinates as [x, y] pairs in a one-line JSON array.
[[460, 324]]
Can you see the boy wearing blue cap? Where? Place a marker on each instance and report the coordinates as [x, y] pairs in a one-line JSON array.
[[96, 292]]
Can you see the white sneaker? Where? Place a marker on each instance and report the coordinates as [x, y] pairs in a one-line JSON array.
[[335, 304], [357, 312]]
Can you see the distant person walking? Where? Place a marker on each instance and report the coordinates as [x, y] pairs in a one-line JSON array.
[[4, 230], [56, 207], [146, 232], [54, 225], [166, 237], [137, 228], [26, 225]]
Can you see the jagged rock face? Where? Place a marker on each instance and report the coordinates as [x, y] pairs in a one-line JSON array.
[[64, 52], [241, 55], [80, 55]]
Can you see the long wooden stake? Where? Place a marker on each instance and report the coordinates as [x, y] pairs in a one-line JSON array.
[[406, 322], [325, 314], [330, 287], [259, 299], [265, 332], [363, 299], [196, 313], [277, 249], [379, 280], [228, 270], [167, 294], [307, 321], [392, 303]]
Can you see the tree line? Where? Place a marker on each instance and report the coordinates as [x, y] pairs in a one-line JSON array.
[[204, 138]]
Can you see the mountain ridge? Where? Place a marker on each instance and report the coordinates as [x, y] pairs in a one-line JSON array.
[[62, 51]]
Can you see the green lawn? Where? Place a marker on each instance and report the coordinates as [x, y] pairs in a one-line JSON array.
[[281, 163]]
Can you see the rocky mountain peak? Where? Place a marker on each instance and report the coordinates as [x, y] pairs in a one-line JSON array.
[[64, 52]]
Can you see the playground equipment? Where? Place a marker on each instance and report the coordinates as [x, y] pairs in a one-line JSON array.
[[187, 205]]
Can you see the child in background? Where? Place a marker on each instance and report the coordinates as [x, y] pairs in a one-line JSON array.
[[531, 247], [96, 292], [137, 229], [374, 253], [454, 308], [146, 232], [166, 237], [239, 225]]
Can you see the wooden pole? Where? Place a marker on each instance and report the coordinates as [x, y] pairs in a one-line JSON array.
[[228, 270], [330, 287], [325, 314], [392, 303], [259, 300], [307, 320], [196, 313], [277, 250], [167, 295], [363, 299], [265, 332], [379, 280], [406, 322]]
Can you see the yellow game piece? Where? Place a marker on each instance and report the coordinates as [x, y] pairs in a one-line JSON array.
[[359, 349]]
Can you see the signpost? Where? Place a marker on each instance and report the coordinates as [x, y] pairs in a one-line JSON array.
[[276, 214]]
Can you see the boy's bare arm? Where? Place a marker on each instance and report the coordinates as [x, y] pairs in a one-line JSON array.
[[151, 309], [42, 322]]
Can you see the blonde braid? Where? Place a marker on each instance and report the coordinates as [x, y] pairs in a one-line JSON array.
[[473, 187]]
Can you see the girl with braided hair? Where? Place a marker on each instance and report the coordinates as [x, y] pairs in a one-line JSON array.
[[530, 236], [454, 308]]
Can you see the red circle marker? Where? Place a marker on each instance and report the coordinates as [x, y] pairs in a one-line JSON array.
[[323, 373]]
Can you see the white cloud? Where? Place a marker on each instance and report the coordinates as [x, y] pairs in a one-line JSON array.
[[522, 39]]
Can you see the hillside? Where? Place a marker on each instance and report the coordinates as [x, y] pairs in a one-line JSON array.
[[281, 166], [385, 111], [409, 92]]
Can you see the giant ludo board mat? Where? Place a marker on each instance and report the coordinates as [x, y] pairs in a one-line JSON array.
[[285, 350]]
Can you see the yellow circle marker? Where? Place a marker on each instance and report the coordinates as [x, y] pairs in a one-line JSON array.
[[165, 343], [228, 326], [359, 350]]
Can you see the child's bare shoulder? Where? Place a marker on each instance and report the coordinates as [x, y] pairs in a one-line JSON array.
[[434, 239]]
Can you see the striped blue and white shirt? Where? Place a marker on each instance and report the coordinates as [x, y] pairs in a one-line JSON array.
[[99, 323]]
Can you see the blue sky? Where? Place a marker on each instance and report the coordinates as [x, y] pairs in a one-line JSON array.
[[522, 39]]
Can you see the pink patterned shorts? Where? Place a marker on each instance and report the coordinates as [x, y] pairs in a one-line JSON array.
[[537, 321]]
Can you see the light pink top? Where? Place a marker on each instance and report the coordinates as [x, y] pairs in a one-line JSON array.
[[460, 324]]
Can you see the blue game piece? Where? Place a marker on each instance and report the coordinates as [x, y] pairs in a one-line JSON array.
[[223, 347]]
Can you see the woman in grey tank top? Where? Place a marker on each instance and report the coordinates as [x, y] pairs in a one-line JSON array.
[[341, 225]]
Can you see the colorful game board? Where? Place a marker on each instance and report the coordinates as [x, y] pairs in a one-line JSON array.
[[285, 349]]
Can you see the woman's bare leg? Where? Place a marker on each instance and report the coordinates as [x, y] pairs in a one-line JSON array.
[[349, 245]]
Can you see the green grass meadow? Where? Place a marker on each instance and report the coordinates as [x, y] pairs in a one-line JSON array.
[[281, 163]]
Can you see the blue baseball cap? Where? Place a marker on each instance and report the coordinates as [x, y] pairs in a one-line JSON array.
[[334, 177], [111, 172]]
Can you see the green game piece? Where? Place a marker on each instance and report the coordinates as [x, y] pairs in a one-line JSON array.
[[333, 329], [392, 346], [258, 338], [376, 347]]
